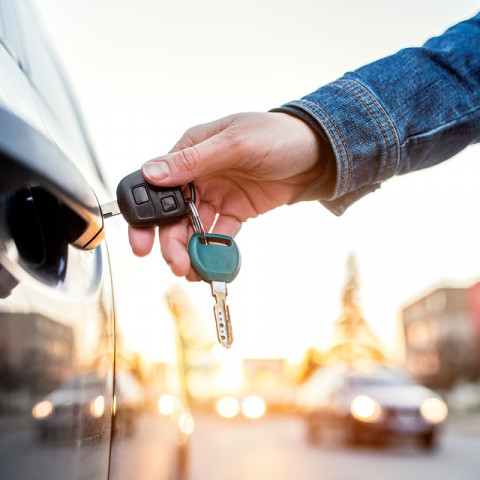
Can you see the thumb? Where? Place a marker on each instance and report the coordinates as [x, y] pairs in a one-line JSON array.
[[183, 166]]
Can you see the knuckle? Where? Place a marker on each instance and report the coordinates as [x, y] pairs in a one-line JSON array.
[[190, 134], [234, 139], [187, 159]]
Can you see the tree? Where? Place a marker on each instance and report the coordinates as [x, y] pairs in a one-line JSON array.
[[354, 340]]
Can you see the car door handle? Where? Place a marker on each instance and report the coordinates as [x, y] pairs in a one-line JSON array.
[[28, 158]]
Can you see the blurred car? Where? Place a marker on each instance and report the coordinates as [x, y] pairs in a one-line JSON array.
[[78, 404], [59, 346], [380, 403]]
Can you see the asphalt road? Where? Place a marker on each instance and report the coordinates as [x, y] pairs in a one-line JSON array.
[[274, 448]]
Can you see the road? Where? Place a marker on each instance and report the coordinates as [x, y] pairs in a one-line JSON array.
[[274, 448]]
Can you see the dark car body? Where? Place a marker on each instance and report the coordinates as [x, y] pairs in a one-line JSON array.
[[64, 405], [377, 404]]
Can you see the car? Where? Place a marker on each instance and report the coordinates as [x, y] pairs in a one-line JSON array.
[[376, 403], [63, 351], [78, 404], [77, 407]]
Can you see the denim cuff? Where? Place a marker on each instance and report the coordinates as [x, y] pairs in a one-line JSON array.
[[362, 136]]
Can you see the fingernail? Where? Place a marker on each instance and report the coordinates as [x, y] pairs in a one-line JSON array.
[[156, 170]]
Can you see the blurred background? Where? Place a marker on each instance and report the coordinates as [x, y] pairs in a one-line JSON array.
[[393, 282]]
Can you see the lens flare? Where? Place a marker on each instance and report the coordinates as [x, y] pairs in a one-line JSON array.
[[227, 407], [186, 423], [253, 407], [166, 404]]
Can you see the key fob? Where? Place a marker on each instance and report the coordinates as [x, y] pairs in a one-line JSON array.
[[146, 205]]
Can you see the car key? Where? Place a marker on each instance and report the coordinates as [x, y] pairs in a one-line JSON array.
[[145, 205], [217, 260]]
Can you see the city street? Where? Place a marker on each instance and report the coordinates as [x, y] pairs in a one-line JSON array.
[[272, 448], [275, 448]]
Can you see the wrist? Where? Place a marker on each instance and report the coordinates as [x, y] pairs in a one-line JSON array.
[[319, 179]]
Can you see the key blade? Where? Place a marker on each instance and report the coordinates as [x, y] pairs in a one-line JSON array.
[[110, 209], [224, 326], [222, 314]]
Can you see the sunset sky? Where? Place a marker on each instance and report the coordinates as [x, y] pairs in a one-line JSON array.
[[146, 70]]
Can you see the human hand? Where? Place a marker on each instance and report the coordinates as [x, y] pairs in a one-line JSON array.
[[243, 165]]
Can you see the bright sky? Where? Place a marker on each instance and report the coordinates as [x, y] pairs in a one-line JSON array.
[[146, 70]]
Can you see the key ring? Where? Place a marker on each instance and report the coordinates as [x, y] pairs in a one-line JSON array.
[[193, 193], [194, 216]]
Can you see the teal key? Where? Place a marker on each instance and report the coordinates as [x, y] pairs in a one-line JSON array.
[[217, 261]]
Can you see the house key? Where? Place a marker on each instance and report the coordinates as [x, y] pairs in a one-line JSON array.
[[216, 259]]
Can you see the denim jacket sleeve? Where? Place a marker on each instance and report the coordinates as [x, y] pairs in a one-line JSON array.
[[402, 113]]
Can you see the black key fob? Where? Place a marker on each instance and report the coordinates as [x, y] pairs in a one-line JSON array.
[[145, 205]]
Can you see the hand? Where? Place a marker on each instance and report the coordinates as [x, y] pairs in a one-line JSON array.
[[243, 165]]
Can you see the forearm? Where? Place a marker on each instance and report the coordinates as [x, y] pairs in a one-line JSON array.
[[402, 113]]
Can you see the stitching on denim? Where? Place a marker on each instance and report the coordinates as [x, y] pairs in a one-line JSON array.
[[382, 111], [349, 176], [385, 173]]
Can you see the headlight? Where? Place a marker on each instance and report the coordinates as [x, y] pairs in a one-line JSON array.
[[253, 407], [365, 409], [434, 410], [42, 409], [97, 407], [227, 407]]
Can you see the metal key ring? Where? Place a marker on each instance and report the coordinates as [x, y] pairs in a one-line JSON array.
[[196, 220]]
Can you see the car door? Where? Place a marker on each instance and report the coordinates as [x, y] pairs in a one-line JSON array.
[[76, 402], [56, 306]]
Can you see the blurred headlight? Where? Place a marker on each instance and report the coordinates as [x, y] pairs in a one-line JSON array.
[[253, 407], [186, 423], [365, 409], [42, 409], [434, 410], [166, 404], [227, 407], [97, 407]]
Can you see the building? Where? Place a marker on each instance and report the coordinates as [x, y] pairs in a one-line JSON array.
[[442, 336]]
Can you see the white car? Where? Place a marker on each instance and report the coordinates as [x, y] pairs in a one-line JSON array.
[[380, 403]]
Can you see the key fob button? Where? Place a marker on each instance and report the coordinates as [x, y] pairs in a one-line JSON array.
[[140, 195], [169, 204]]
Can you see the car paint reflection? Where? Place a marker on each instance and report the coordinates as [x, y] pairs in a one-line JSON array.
[[56, 362]]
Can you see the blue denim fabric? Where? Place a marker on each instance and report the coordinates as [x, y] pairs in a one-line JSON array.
[[402, 113]]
